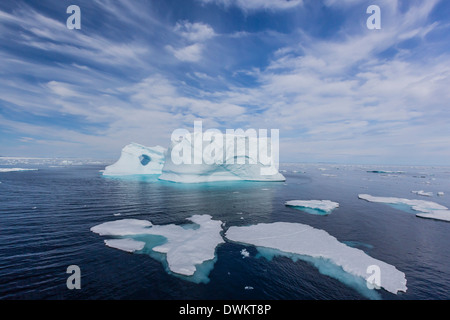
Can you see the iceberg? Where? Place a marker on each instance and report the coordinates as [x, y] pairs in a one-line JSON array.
[[229, 165], [137, 159], [426, 209], [185, 248], [321, 207], [306, 242]]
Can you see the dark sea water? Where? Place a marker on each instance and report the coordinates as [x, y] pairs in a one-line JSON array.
[[46, 216]]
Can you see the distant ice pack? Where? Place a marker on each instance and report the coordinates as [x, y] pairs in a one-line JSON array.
[[15, 169]]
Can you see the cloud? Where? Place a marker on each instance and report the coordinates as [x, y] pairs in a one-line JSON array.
[[248, 5], [61, 89], [191, 53], [350, 95], [195, 32]]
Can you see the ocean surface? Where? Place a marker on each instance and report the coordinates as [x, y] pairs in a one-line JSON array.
[[46, 216]]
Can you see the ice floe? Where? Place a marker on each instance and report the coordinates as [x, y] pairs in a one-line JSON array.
[[440, 194], [321, 207], [245, 253], [137, 159], [423, 193], [185, 248], [443, 215], [427, 209], [306, 242]]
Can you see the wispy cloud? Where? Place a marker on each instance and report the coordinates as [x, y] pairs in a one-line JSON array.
[[257, 4], [137, 72]]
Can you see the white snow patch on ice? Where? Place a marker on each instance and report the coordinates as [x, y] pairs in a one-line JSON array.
[[304, 240], [137, 159], [125, 227], [185, 248], [128, 245]]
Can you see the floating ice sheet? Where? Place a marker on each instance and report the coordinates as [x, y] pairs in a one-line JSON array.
[[427, 209], [303, 240], [321, 207], [185, 248]]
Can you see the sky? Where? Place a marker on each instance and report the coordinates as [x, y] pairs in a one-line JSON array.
[[139, 69]]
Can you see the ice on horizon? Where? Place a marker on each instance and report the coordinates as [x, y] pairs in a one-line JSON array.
[[319, 206], [137, 159], [16, 169], [427, 209], [185, 248], [302, 240], [386, 171]]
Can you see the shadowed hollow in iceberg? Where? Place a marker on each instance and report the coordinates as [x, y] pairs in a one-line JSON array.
[[303, 240], [137, 159]]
